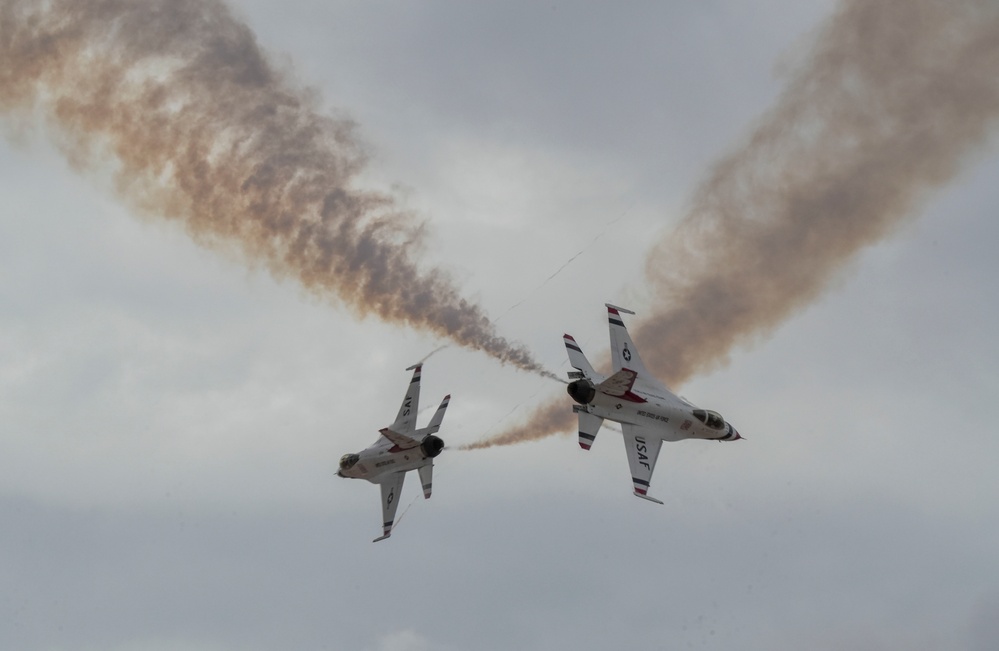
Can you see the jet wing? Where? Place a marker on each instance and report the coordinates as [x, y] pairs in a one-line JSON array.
[[391, 492], [623, 351], [405, 421], [642, 446]]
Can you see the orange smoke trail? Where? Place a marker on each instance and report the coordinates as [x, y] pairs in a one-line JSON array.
[[201, 128], [889, 103], [550, 418]]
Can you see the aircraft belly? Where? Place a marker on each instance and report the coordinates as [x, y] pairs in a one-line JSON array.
[[671, 423], [611, 412], [613, 408], [377, 467]]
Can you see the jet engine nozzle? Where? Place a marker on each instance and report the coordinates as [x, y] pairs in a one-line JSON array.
[[432, 446], [582, 391]]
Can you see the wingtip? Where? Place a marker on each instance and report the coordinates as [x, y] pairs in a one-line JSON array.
[[569, 337], [379, 538], [614, 309], [647, 497], [415, 367]]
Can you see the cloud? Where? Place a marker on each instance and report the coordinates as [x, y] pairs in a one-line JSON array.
[[200, 127], [405, 640], [889, 103]]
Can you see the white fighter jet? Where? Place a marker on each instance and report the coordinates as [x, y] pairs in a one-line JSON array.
[[400, 448], [649, 413]]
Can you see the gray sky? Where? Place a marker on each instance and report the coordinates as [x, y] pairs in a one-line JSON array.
[[170, 419]]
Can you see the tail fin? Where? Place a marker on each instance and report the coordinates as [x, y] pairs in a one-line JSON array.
[[619, 385], [576, 357], [589, 425], [435, 422]]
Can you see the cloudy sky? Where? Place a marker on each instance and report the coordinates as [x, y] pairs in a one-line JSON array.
[[171, 416]]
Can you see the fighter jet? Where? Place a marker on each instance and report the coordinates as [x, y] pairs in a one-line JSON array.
[[400, 448], [649, 412]]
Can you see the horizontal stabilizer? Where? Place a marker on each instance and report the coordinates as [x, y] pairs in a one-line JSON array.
[[576, 357], [427, 479], [435, 422], [589, 425]]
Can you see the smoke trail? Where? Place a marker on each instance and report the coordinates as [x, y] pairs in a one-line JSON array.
[[432, 353], [889, 103], [550, 418], [203, 129]]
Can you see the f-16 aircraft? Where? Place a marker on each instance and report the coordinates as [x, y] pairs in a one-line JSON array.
[[400, 448], [649, 412]]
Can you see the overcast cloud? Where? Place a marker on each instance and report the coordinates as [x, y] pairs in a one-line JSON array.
[[170, 418]]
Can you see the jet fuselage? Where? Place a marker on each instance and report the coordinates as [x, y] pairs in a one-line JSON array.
[[384, 458], [670, 416]]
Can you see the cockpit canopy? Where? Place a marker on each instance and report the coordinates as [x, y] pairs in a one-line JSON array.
[[347, 461], [710, 418]]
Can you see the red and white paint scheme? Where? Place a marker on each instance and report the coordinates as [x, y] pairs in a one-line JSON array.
[[649, 412], [400, 448]]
